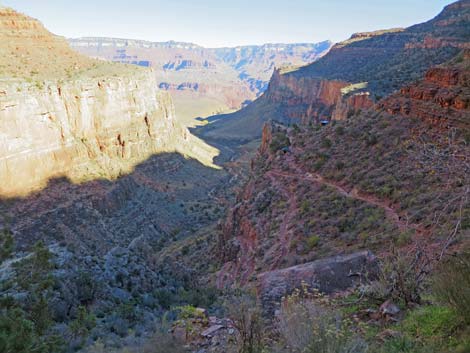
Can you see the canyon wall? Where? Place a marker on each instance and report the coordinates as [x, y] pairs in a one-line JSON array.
[[84, 129], [64, 114], [309, 99]]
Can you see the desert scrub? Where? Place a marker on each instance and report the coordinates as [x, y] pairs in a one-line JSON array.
[[7, 244], [27, 327], [312, 242], [279, 140], [307, 324], [402, 277]]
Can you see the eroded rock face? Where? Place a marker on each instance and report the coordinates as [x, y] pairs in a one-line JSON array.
[[84, 129], [327, 275], [88, 119], [441, 99], [308, 99]]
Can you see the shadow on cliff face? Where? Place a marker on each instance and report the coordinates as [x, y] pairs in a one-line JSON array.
[[167, 195]]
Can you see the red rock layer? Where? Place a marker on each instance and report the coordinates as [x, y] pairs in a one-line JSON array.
[[307, 99], [442, 98]]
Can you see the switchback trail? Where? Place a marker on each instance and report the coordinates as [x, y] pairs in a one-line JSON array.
[[400, 220]]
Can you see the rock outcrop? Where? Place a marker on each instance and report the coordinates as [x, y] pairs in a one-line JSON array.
[[441, 99], [327, 275], [309, 99]]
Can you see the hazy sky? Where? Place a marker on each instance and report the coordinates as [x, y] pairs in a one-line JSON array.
[[226, 23]]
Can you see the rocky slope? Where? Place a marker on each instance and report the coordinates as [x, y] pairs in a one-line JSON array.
[[27, 49], [353, 75], [97, 122], [222, 79], [393, 174]]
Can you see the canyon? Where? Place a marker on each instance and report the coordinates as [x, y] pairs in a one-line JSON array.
[[301, 200], [340, 192], [354, 75], [69, 127], [204, 81]]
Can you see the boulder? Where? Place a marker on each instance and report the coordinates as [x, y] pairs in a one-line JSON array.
[[328, 275]]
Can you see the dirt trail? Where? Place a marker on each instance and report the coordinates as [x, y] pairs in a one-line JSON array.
[[400, 220]]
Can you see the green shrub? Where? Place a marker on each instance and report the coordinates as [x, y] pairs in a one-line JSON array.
[[340, 130], [83, 324], [312, 241], [434, 322], [129, 311], [339, 165], [18, 334], [165, 298], [279, 140], [304, 207], [199, 297], [451, 284], [326, 143], [404, 238]]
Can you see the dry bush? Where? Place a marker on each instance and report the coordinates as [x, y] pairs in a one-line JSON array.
[[402, 276], [248, 320], [307, 326]]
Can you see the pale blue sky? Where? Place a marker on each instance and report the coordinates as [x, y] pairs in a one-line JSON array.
[[226, 23]]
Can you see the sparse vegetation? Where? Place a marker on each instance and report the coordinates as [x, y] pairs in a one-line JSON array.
[[307, 325], [280, 140]]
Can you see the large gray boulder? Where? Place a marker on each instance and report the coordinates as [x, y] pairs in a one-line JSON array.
[[329, 275]]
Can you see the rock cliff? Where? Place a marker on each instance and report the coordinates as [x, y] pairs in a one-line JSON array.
[[309, 99], [86, 129], [442, 98]]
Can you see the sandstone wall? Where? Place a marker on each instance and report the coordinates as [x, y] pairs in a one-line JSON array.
[[85, 129], [305, 99]]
